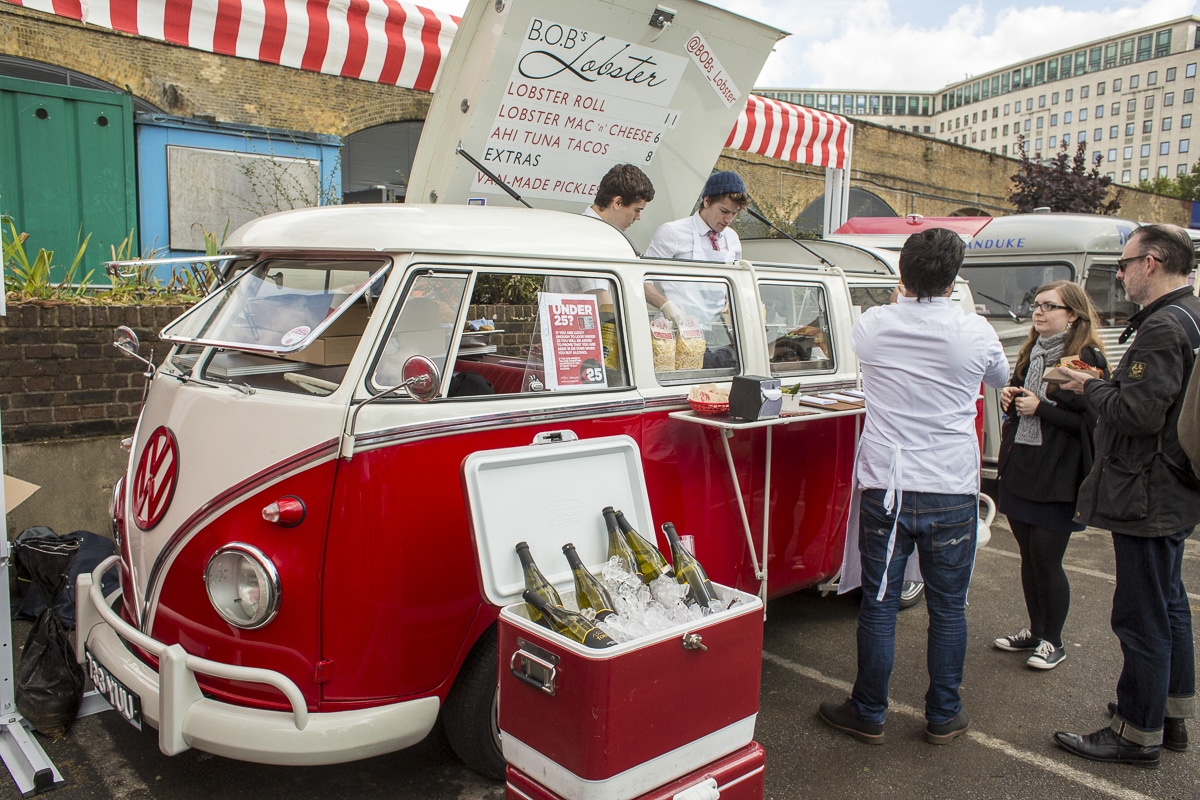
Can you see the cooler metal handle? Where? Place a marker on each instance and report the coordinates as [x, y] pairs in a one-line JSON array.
[[549, 671], [708, 790], [693, 641]]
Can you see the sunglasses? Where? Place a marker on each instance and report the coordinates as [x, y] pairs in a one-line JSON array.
[[1123, 264]]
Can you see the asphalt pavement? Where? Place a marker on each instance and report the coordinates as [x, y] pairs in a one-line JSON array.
[[809, 657]]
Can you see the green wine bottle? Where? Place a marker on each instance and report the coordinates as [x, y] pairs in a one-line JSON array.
[[570, 624], [689, 572], [535, 581], [649, 559], [589, 591], [617, 546]]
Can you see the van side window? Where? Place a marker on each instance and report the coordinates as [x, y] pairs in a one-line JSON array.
[[423, 326], [796, 318], [1003, 290], [502, 349], [1108, 295], [864, 297], [693, 336]]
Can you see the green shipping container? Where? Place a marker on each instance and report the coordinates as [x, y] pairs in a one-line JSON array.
[[67, 170]]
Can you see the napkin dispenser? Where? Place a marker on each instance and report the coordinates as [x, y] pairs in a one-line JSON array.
[[753, 398]]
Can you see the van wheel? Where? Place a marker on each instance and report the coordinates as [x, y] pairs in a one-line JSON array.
[[470, 713], [910, 593]]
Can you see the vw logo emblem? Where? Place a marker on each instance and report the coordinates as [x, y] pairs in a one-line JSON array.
[[155, 479]]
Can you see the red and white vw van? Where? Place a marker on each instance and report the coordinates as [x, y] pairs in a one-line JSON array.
[[299, 582]]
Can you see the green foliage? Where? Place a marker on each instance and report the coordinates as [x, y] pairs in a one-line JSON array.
[[515, 290], [1062, 183], [1185, 186], [30, 280]]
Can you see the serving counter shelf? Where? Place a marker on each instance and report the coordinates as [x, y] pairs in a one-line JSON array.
[[793, 413]]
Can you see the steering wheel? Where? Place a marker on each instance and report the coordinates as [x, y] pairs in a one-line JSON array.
[[310, 384]]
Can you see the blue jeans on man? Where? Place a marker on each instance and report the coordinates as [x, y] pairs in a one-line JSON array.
[[1152, 619], [941, 528]]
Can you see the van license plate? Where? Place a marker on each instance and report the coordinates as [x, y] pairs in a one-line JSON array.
[[118, 695]]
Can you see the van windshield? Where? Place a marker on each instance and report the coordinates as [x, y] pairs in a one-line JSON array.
[[1003, 290], [278, 305]]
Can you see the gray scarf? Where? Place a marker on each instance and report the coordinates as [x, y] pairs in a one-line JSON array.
[[1046, 350]]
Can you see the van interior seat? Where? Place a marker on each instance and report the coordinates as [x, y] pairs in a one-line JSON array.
[[505, 379]]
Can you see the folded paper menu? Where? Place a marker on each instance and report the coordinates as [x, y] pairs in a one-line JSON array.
[[843, 397], [813, 400]]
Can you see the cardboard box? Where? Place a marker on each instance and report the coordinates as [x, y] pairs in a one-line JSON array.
[[328, 351], [352, 322], [1056, 375]]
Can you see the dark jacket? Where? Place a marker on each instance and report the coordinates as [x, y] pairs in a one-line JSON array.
[[1131, 489], [1052, 471]]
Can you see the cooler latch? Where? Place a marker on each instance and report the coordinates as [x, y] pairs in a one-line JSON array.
[[533, 665], [693, 641], [555, 437], [707, 790]]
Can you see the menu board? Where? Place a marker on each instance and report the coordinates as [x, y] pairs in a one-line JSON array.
[[571, 348], [576, 103]]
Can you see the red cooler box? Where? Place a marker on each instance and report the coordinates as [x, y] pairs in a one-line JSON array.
[[621, 722]]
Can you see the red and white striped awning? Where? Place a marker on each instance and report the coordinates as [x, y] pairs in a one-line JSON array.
[[396, 43], [792, 133]]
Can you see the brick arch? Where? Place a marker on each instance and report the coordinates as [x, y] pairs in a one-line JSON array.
[[379, 156]]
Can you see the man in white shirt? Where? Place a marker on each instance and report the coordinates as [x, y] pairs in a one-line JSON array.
[[922, 363]]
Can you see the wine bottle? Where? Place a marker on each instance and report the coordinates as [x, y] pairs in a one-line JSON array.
[[535, 581], [649, 560], [617, 546], [589, 591], [570, 624], [688, 571]]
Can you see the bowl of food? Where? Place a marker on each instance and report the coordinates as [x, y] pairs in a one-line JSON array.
[[709, 400]]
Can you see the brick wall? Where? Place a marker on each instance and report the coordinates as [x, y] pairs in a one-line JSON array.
[[61, 377]]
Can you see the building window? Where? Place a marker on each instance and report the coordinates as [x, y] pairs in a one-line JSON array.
[[1166, 123], [1110, 55], [1004, 85], [1081, 62], [994, 131], [1027, 76], [973, 138], [1152, 78], [1129, 129], [1149, 104], [1053, 122], [1037, 144], [1116, 84], [1027, 122], [942, 128], [975, 117], [1116, 109], [983, 117], [1099, 112], [1054, 98], [1144, 45], [1164, 148], [1127, 153], [1003, 149], [982, 135], [1006, 109], [1133, 81], [1100, 88], [1006, 130], [1170, 74], [1169, 99], [1190, 70], [1162, 172], [1182, 169], [1069, 95], [1124, 176], [1066, 118], [1126, 52], [1184, 145], [1145, 151], [1041, 101], [1083, 92], [1112, 154], [1185, 121], [1053, 142], [1144, 174], [1189, 94], [1082, 137], [1162, 44], [1113, 132], [1112, 177], [1083, 115], [1029, 104], [1147, 126], [1040, 120], [1131, 105], [1097, 134], [1094, 59]]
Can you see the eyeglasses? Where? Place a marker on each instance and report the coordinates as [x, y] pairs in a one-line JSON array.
[[1046, 308], [1123, 264]]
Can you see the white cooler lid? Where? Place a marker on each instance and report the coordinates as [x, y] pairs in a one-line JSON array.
[[548, 495]]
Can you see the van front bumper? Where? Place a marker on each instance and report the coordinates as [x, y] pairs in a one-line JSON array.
[[172, 702]]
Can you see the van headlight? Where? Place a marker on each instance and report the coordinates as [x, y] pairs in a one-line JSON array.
[[243, 585]]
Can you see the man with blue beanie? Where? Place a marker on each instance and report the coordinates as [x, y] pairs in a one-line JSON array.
[[706, 235]]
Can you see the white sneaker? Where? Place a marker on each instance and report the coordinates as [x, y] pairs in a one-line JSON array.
[[1018, 641], [1046, 656]]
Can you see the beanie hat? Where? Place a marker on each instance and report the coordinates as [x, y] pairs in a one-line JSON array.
[[723, 183]]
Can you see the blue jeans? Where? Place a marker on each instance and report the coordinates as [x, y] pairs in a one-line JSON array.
[[1153, 620], [942, 529]]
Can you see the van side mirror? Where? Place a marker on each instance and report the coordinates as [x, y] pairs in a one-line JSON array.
[[422, 378]]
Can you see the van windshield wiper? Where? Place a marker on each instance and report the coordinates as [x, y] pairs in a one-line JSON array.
[[1007, 307], [491, 175]]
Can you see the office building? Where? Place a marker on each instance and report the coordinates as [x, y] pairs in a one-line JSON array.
[[1130, 97]]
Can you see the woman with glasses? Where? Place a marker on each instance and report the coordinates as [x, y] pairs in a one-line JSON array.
[[1045, 453]]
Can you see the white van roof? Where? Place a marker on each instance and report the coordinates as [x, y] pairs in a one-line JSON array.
[[1048, 234], [404, 227], [550, 94]]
